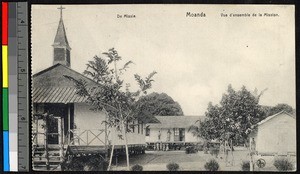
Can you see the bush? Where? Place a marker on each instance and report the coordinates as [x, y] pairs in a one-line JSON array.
[[190, 149], [199, 147], [245, 166], [85, 163], [212, 165], [283, 164], [137, 167], [214, 151], [172, 166]]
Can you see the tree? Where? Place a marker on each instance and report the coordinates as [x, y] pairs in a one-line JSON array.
[[233, 118], [159, 104], [280, 107], [109, 95]]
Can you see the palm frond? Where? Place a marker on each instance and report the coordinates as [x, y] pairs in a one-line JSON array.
[[140, 81], [149, 78]]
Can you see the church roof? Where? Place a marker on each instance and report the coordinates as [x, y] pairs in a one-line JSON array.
[[61, 37], [50, 85]]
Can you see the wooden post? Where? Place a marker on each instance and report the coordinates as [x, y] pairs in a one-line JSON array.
[[36, 130], [251, 155], [46, 142], [69, 124], [61, 139]]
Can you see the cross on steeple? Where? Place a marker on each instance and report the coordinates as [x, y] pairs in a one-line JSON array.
[[61, 8], [61, 44]]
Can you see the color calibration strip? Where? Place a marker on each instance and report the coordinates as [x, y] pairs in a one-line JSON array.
[[5, 119], [13, 86], [10, 85]]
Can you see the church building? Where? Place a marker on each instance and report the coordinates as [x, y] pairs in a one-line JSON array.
[[61, 118]]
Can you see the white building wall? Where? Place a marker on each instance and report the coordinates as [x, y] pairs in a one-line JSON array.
[[155, 131], [133, 138], [164, 134], [87, 123], [277, 135], [86, 119]]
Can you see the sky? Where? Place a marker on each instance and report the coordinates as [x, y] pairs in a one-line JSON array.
[[196, 57]]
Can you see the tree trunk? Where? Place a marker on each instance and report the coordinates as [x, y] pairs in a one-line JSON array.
[[126, 146], [122, 121], [111, 157]]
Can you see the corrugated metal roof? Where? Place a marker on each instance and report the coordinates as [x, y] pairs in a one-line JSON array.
[[56, 95], [176, 121], [50, 85]]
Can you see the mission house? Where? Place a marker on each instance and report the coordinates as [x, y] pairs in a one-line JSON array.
[[62, 120]]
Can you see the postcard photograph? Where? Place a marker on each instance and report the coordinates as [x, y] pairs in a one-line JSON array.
[[163, 87]]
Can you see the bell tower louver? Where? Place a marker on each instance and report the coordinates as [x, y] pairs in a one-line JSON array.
[[61, 48]]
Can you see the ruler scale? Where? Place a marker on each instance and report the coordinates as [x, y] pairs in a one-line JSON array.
[[23, 76]]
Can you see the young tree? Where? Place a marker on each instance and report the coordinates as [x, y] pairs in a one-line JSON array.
[[110, 96], [233, 118]]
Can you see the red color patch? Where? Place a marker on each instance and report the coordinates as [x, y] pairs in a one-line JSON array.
[[4, 23]]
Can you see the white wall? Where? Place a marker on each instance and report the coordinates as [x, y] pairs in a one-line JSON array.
[[133, 138], [90, 124], [154, 135], [88, 121], [277, 135], [164, 134]]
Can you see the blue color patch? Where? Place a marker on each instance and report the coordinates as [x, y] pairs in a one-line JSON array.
[[6, 151]]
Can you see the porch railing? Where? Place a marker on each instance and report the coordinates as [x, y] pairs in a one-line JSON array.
[[87, 137]]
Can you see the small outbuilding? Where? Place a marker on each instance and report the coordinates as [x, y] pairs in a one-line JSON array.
[[276, 134]]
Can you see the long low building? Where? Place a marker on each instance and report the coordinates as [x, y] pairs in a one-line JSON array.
[[172, 129]]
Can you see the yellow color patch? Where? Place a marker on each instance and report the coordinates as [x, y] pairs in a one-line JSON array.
[[4, 66]]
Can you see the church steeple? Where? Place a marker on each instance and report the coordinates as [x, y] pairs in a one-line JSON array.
[[61, 46]]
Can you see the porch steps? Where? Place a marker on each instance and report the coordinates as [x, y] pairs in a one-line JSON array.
[[39, 159]]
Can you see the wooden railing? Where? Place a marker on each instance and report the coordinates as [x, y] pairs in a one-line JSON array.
[[87, 137]]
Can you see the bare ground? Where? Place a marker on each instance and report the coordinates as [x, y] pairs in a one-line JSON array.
[[157, 161]]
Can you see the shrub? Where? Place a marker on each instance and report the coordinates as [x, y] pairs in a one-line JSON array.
[[245, 166], [85, 163], [214, 151], [137, 167], [199, 147], [190, 149], [172, 166], [283, 164], [212, 165]]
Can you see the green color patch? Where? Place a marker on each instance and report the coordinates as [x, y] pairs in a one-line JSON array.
[[5, 108]]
